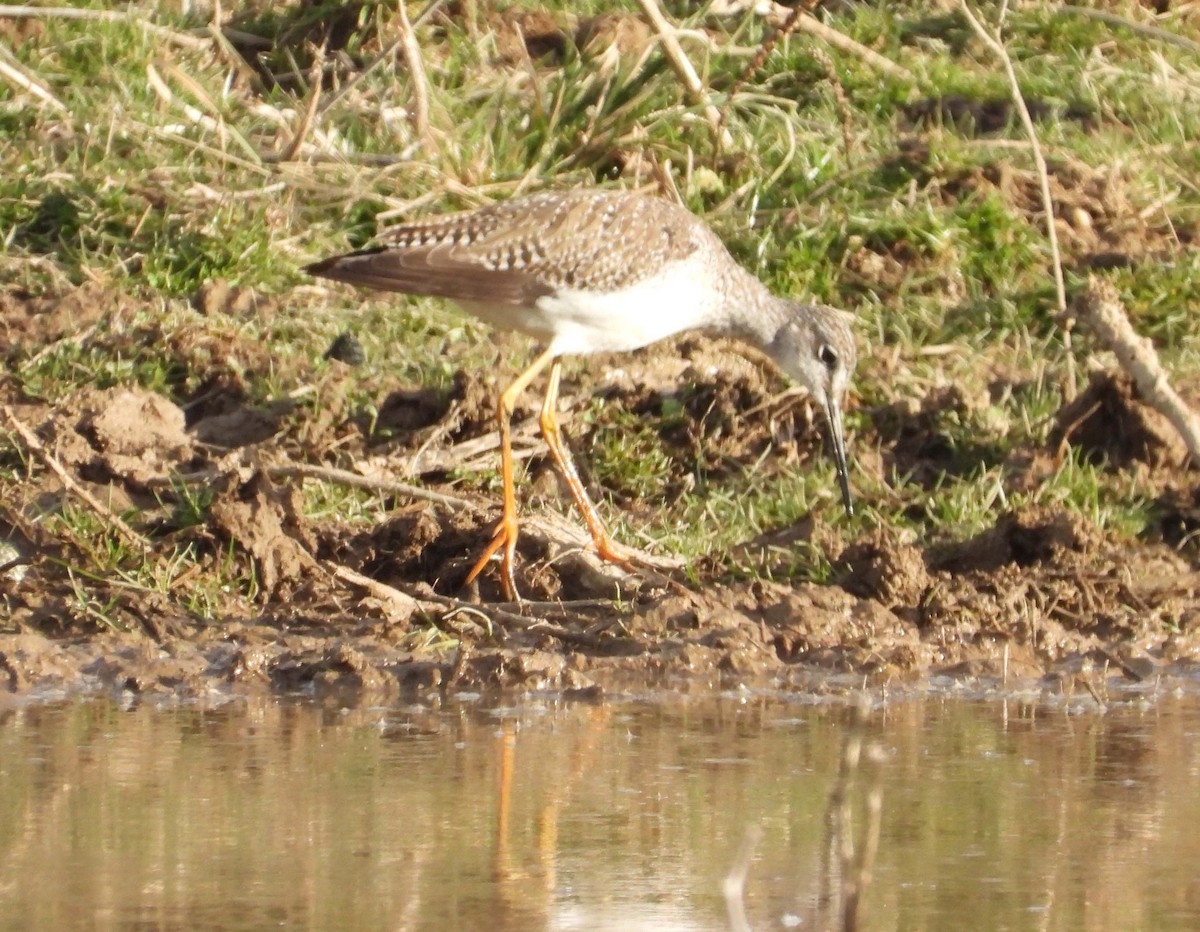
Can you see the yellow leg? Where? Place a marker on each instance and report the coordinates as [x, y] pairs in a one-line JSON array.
[[605, 546], [506, 531]]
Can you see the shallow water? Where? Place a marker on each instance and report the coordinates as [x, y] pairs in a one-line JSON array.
[[1043, 814]]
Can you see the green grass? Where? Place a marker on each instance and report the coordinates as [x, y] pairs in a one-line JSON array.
[[918, 228]]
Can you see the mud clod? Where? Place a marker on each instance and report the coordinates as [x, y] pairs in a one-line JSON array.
[[267, 522], [885, 570], [1111, 424], [1179, 517], [125, 435], [1025, 538], [220, 297]]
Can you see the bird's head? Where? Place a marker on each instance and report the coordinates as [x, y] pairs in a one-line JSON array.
[[815, 346]]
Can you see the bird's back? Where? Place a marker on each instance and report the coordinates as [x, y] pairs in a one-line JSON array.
[[514, 252]]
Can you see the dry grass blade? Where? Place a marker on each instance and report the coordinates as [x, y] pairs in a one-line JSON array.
[[1060, 288], [14, 74], [310, 110], [360, 75], [223, 40], [843, 105], [335, 476], [1142, 29], [197, 116]]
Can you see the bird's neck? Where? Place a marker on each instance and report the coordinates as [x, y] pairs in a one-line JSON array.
[[751, 311]]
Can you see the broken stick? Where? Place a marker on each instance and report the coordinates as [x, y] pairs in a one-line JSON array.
[[1099, 309]]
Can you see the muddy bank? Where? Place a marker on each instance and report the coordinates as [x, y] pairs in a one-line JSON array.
[[159, 542], [1038, 599]]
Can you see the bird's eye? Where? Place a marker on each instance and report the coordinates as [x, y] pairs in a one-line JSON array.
[[828, 356]]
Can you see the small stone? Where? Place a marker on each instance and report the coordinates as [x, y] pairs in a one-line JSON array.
[[347, 349]]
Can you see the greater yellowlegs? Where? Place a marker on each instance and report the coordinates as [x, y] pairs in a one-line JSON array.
[[596, 271]]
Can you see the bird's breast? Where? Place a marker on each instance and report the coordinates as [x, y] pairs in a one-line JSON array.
[[580, 321]]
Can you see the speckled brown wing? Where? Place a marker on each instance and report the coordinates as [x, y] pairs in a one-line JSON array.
[[519, 250], [430, 271]]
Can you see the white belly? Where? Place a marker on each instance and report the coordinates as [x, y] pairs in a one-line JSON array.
[[575, 322]]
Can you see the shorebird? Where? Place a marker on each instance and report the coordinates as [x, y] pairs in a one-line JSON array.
[[592, 271]]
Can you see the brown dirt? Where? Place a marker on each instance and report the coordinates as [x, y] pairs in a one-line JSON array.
[[1041, 594], [33, 324]]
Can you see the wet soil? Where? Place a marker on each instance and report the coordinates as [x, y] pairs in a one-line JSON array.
[[200, 496]]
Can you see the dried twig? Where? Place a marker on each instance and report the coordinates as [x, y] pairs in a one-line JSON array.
[[387, 486], [102, 511], [1060, 288], [329, 474], [416, 74], [685, 71], [782, 31], [562, 606], [779, 14], [77, 338], [400, 606], [521, 623], [843, 105], [463, 453], [1099, 309], [107, 16], [830, 36]]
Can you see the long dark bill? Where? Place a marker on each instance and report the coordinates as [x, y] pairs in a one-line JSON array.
[[833, 414]]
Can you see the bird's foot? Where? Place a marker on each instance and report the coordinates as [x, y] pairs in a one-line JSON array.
[[610, 551], [654, 569], [504, 539]]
